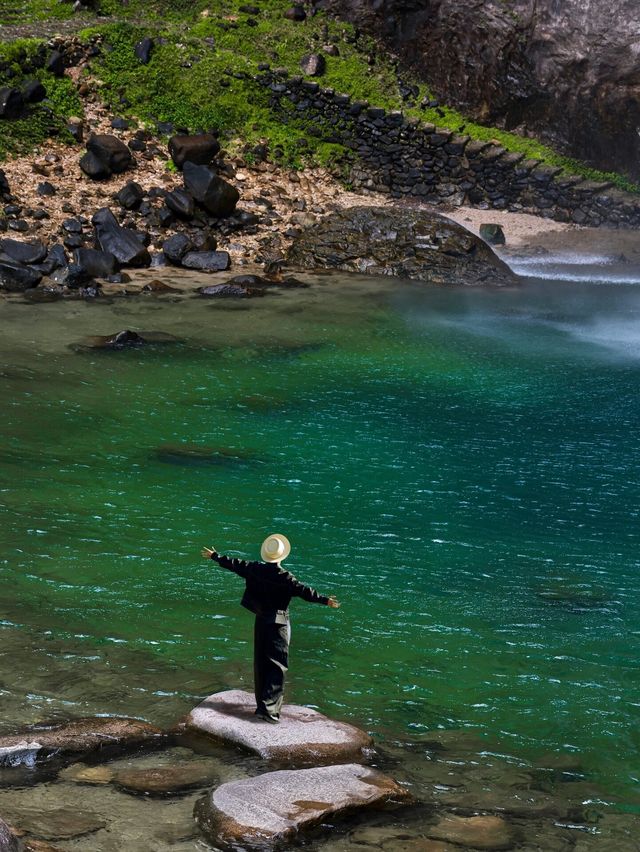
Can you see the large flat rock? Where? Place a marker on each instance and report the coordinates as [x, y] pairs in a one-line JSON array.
[[273, 808], [403, 242], [303, 737]]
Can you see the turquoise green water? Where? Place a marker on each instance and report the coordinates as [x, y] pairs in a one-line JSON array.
[[460, 468]]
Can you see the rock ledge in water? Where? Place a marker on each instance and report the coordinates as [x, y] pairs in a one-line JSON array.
[[271, 808], [106, 736], [304, 737], [409, 243]]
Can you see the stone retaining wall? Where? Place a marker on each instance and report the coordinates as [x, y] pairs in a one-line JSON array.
[[404, 157]]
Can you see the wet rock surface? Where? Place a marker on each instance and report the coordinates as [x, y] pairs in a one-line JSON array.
[[276, 806], [304, 736], [478, 832], [126, 339], [57, 824], [92, 736], [165, 780], [403, 243]]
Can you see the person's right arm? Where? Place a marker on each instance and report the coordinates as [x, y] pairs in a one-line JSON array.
[[239, 566]]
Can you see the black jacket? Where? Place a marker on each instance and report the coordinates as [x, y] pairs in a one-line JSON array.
[[269, 588]]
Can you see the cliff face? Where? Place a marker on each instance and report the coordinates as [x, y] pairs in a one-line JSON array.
[[569, 70]]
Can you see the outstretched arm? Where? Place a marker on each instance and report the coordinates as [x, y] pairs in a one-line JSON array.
[[238, 566], [299, 590]]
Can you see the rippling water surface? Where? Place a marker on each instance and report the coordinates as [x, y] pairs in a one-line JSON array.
[[461, 468]]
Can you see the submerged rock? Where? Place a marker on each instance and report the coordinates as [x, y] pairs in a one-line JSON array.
[[195, 454], [274, 807], [82, 774], [57, 823], [408, 243], [169, 780], [232, 291], [478, 832], [123, 340], [304, 737], [90, 736]]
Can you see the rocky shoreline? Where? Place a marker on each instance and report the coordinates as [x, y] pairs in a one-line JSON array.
[[453, 792]]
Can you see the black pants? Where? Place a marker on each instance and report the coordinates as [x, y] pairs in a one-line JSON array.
[[270, 664]]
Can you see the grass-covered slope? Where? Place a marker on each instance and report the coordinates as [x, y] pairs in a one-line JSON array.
[[199, 76]]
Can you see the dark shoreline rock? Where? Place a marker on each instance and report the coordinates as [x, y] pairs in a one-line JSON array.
[[406, 243]]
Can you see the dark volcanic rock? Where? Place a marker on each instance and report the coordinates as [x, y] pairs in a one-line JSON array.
[[120, 242], [313, 64], [33, 92], [5, 189], [296, 13], [212, 192], [11, 102], [94, 263], [94, 167], [111, 151], [199, 149], [15, 278], [175, 247], [23, 252], [404, 243], [131, 195], [143, 50], [181, 203], [45, 188], [273, 808], [55, 63], [206, 261]]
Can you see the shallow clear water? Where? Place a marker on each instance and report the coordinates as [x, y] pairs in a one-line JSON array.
[[461, 468]]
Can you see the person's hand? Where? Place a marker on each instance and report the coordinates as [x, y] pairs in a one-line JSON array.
[[207, 552], [333, 603]]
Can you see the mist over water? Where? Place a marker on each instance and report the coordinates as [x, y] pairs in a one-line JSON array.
[[461, 467]]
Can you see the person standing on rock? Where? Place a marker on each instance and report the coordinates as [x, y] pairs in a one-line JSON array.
[[269, 589]]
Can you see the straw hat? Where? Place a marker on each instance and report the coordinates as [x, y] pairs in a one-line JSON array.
[[274, 548]]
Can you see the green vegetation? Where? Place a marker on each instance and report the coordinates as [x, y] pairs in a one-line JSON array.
[[21, 60], [201, 69]]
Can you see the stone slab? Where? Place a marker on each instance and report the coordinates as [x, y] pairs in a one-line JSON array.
[[304, 737], [274, 807], [107, 736]]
